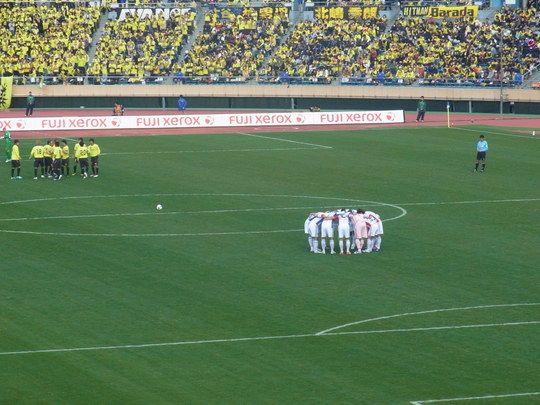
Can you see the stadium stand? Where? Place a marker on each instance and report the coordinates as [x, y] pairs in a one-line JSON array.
[[353, 44], [49, 42], [317, 50], [233, 45], [139, 48]]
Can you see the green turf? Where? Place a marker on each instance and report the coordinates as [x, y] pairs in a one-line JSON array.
[[225, 271]]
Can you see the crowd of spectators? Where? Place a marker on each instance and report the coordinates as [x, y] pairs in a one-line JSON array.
[[139, 49], [233, 46], [240, 43], [463, 51], [317, 51], [41, 41]]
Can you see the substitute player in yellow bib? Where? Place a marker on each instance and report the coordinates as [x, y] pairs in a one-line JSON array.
[[94, 152]]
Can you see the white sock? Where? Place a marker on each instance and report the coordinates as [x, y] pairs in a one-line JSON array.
[[315, 244], [310, 241], [323, 243], [370, 244], [332, 244], [378, 241], [348, 245], [341, 245]]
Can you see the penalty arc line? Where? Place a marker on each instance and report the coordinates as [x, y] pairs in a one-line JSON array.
[[262, 338]]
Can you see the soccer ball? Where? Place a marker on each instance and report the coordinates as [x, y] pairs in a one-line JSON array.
[[159, 207]]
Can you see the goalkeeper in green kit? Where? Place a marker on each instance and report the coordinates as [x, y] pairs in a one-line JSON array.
[[8, 143]]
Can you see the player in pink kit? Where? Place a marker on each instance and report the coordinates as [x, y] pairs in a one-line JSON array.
[[375, 230], [344, 231], [360, 230]]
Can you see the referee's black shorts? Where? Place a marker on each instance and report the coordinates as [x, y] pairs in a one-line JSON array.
[[480, 155]]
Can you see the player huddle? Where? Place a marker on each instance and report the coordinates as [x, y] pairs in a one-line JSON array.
[[51, 160], [355, 228]]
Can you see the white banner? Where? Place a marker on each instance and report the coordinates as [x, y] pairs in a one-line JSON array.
[[203, 120]]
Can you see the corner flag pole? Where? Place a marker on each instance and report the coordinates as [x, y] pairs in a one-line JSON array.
[[448, 113]]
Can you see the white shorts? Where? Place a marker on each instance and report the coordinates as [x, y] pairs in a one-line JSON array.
[[374, 228], [327, 230], [306, 226], [314, 228], [344, 231]]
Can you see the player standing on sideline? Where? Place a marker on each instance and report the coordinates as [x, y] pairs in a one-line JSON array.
[[37, 154], [48, 157], [30, 103], [327, 231], [8, 143], [65, 158], [481, 150], [94, 152], [421, 110], [182, 104], [82, 158], [344, 231], [57, 161], [75, 160], [15, 161]]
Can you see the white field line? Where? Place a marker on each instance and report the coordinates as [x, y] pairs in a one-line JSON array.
[[210, 151], [431, 311], [260, 338], [284, 140], [472, 202], [161, 235], [129, 214], [432, 401], [355, 200], [500, 133]]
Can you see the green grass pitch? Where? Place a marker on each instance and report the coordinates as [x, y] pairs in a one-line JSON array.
[[216, 299]]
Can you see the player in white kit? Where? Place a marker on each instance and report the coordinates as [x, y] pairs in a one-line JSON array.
[[375, 230], [344, 231], [314, 230], [306, 231], [327, 230]]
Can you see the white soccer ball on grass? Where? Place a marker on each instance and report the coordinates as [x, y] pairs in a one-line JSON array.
[[159, 207]]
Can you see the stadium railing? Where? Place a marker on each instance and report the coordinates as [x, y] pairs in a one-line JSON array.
[[267, 80]]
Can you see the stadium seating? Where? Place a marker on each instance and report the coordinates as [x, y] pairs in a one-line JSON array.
[[140, 50], [46, 41], [233, 46], [50, 44]]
